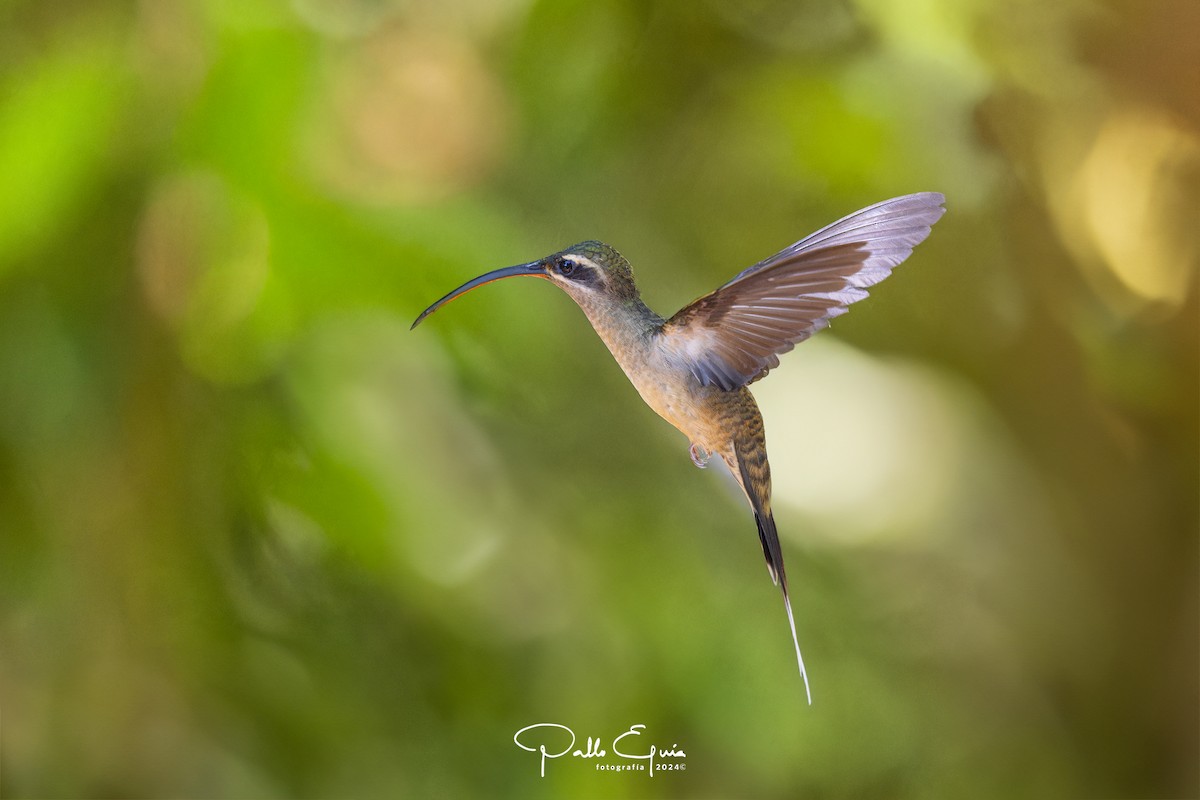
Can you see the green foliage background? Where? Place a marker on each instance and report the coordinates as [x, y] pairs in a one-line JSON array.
[[258, 540]]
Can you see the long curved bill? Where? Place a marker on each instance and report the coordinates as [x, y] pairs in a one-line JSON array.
[[533, 268]]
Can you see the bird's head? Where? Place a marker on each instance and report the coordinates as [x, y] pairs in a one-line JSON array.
[[592, 273]]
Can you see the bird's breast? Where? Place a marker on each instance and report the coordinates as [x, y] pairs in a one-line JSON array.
[[676, 396], [660, 376]]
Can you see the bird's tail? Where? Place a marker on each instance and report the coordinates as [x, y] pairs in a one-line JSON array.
[[755, 475]]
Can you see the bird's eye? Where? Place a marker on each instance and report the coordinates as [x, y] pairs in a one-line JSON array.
[[566, 267]]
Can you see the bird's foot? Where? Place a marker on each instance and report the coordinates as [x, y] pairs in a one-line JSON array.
[[699, 455]]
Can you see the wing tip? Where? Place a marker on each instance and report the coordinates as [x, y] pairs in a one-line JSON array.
[[930, 199]]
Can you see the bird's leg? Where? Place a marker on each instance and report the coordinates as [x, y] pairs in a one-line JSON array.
[[699, 455]]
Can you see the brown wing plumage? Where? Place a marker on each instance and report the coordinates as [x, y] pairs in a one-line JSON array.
[[735, 335]]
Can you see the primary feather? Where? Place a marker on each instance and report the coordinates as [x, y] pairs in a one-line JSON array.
[[766, 310]]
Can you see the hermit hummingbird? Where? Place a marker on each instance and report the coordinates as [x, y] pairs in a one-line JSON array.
[[693, 369]]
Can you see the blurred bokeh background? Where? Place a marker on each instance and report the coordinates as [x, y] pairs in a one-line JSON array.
[[259, 540]]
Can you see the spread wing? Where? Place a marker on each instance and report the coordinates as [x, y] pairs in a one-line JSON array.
[[735, 335]]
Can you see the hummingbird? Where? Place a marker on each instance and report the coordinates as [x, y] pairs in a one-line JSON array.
[[694, 368]]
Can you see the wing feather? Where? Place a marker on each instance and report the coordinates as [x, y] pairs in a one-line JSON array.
[[767, 309]]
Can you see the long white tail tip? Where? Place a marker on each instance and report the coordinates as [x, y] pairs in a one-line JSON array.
[[796, 641]]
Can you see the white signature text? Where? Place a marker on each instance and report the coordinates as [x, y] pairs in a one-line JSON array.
[[547, 739]]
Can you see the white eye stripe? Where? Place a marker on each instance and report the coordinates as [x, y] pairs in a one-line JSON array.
[[579, 270], [581, 261]]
